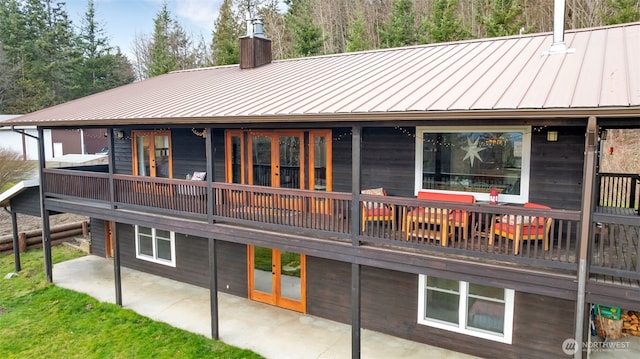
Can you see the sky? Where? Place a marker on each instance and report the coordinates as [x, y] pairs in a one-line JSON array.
[[123, 19]]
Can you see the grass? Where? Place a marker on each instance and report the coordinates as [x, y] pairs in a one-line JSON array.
[[41, 320]]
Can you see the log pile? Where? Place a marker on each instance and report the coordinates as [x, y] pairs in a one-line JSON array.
[[630, 323], [33, 238]]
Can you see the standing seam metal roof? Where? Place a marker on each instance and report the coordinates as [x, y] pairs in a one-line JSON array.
[[502, 74]]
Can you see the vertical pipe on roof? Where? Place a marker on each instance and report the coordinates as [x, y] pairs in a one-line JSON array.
[[558, 45]]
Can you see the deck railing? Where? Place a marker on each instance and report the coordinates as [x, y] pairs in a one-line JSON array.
[[615, 251], [463, 229], [618, 190]]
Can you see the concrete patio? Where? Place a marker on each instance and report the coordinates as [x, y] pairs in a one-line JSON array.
[[270, 331]]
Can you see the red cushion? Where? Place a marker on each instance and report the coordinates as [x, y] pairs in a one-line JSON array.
[[447, 197], [535, 205], [525, 231], [380, 211]]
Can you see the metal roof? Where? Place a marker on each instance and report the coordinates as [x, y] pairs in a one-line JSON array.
[[509, 76]]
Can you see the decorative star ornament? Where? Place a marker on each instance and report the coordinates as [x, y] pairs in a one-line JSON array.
[[473, 151]]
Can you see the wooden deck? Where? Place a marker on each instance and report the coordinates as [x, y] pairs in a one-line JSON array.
[[333, 216]]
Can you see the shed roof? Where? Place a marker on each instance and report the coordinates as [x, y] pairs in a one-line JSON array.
[[498, 77]]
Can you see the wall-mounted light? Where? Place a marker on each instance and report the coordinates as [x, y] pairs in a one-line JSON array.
[[120, 134], [552, 136]]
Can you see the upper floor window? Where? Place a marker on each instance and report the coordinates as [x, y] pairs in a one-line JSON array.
[[156, 245], [468, 308], [475, 159]]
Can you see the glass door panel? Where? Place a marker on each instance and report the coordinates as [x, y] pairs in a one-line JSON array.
[[290, 271], [161, 155], [290, 151], [263, 267], [261, 158], [143, 157]]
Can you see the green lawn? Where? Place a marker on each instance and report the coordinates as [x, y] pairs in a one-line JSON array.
[[41, 320]]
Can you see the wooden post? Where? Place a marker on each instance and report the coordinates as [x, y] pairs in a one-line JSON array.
[[356, 218], [22, 242], [85, 229], [44, 213], [588, 180], [116, 264], [16, 241], [213, 289]]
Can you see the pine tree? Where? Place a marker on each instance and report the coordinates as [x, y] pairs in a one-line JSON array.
[[401, 28], [225, 44], [100, 69], [306, 36], [357, 40], [161, 60], [620, 12], [502, 17], [444, 24]]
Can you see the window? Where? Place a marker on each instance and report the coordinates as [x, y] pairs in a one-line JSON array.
[[475, 159], [462, 307], [155, 245]]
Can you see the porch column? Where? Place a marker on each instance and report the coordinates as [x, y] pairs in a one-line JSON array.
[[213, 289], [112, 161], [588, 180], [116, 264], [44, 214], [356, 217], [213, 272], [16, 242]]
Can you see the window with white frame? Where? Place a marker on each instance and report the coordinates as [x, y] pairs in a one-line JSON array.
[[475, 159], [462, 307], [155, 245]]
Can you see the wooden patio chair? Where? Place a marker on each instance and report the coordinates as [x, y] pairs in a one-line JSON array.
[[522, 228], [376, 211]]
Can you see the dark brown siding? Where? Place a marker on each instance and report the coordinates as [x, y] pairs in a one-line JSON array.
[[390, 302], [70, 139], [556, 168], [94, 139], [192, 262], [97, 237], [27, 202]]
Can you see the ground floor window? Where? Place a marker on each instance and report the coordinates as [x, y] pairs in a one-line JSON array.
[[156, 245], [468, 308]]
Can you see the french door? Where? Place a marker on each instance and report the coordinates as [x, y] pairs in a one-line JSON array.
[[276, 158], [152, 154], [277, 278]]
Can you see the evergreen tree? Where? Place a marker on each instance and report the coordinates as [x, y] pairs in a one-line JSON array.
[[357, 40], [225, 44], [161, 60], [502, 17], [401, 29], [306, 36], [444, 24], [100, 69], [620, 12]]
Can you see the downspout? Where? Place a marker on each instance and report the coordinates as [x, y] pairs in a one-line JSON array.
[[589, 173]]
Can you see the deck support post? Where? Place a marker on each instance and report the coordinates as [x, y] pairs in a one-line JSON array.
[[44, 214], [213, 272], [589, 175], [111, 168], [16, 241], [116, 264], [213, 289], [356, 217]]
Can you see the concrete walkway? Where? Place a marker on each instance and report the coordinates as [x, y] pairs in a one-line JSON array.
[[270, 331]]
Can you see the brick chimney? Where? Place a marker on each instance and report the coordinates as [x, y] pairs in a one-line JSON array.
[[255, 49]]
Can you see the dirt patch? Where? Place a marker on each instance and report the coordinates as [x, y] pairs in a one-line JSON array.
[[27, 223]]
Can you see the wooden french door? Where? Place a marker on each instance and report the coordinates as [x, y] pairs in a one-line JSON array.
[[108, 238], [277, 278], [152, 154], [277, 158]]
